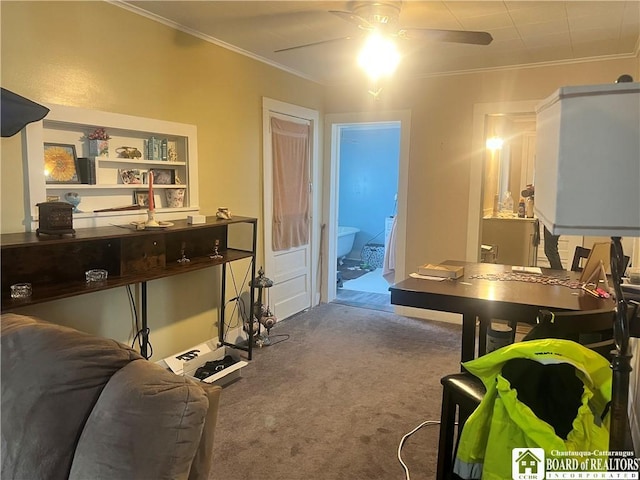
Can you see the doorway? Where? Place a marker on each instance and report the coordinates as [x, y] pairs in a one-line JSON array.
[[367, 196], [365, 191]]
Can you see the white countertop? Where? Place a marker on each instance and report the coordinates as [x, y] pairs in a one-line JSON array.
[[506, 216]]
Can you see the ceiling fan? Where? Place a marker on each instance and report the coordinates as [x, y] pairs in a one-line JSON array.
[[383, 17]]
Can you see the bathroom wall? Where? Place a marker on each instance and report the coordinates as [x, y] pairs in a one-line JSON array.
[[368, 181]]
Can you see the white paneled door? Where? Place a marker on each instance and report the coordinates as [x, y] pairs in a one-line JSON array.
[[288, 207]]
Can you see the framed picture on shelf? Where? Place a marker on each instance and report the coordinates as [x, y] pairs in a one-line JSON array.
[[60, 163], [141, 198], [164, 176], [130, 177]]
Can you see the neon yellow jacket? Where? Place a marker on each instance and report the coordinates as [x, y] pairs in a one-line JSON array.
[[502, 422]]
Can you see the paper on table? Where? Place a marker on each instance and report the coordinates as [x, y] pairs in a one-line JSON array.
[[427, 277], [526, 269]]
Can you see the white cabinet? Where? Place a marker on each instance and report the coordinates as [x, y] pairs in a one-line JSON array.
[[513, 239], [69, 126]]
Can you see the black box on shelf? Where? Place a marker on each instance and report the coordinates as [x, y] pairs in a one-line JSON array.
[[87, 170]]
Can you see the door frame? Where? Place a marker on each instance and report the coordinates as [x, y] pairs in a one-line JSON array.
[[270, 105], [332, 125], [480, 113]]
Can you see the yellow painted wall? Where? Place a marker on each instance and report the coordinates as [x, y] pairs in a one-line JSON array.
[[98, 56]]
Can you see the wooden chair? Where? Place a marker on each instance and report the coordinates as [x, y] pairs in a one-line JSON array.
[[582, 252], [463, 392]]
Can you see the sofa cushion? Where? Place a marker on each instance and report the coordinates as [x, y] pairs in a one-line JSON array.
[[52, 377], [147, 424], [202, 463]]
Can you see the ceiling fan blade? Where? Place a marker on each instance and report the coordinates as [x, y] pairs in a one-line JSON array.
[[322, 42], [454, 36], [353, 18]]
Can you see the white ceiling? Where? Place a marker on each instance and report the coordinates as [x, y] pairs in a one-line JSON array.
[[524, 33]]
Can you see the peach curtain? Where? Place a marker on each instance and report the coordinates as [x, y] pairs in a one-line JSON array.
[[290, 143]]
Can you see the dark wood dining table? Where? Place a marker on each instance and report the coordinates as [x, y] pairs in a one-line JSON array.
[[489, 291]]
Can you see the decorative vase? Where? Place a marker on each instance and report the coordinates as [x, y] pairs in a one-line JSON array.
[[98, 148], [74, 199], [175, 197]]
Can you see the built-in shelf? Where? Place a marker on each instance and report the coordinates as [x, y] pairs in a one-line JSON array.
[[130, 186], [65, 125], [146, 163]]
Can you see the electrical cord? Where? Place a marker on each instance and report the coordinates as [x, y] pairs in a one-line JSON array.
[[134, 311], [279, 341], [240, 306], [423, 424], [138, 336], [139, 331]]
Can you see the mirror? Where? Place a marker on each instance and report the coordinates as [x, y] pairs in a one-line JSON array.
[[510, 141]]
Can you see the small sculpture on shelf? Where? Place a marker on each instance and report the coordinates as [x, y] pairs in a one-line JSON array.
[[183, 258], [223, 213], [216, 254], [128, 152]]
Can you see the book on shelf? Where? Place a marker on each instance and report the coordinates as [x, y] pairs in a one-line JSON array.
[[163, 150], [152, 148], [87, 170]]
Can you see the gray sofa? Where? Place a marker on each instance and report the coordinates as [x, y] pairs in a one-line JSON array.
[[77, 406]]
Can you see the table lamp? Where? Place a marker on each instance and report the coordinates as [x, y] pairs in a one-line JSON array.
[[588, 183]]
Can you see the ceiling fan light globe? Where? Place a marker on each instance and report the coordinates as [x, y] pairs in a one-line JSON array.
[[379, 57]]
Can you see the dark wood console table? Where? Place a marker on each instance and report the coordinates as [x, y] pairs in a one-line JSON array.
[[56, 265]]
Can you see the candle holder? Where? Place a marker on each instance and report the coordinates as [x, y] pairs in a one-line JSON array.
[[183, 258], [216, 254], [151, 219]]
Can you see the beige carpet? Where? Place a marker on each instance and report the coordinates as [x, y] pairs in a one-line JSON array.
[[334, 400]]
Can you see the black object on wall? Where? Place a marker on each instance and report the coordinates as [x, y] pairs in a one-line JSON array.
[[16, 112]]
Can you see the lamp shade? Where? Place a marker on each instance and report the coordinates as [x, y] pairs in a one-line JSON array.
[[587, 177], [17, 111]]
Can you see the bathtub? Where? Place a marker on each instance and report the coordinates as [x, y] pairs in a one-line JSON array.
[[346, 237]]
